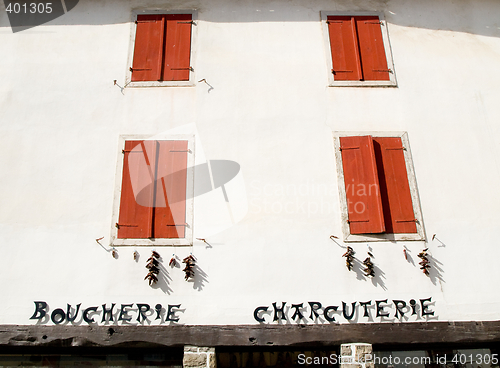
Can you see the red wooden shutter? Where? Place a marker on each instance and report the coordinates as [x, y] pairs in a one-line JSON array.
[[362, 185], [394, 187], [135, 217], [148, 48], [371, 46], [170, 203], [344, 48], [177, 47]]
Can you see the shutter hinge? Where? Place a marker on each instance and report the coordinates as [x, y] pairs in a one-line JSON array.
[[375, 23], [133, 151], [134, 69], [189, 151], [190, 69], [383, 70], [185, 224], [190, 22], [397, 149], [342, 71], [334, 21], [125, 225], [414, 220], [348, 148]]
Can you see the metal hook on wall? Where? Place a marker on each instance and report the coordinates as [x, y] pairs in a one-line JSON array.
[[333, 237], [208, 84]]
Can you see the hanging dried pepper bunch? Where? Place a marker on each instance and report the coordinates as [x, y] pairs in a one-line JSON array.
[[368, 270], [424, 263], [190, 262], [153, 267], [173, 261], [349, 257]]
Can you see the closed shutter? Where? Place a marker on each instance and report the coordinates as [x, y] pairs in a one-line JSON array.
[[171, 185], [344, 48], [148, 48], [394, 187], [177, 47], [135, 217], [362, 185], [371, 46]]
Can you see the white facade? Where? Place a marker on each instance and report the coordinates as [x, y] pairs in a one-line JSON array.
[[266, 105]]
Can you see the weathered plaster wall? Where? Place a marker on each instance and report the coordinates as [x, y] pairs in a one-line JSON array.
[[271, 111]]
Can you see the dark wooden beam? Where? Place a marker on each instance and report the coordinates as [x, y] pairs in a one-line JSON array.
[[250, 335]]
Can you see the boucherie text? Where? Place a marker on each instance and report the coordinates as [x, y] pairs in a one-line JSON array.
[[123, 313]]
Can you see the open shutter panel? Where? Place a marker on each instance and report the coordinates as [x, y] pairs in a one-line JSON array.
[[135, 217], [362, 187], [394, 187], [148, 48], [177, 47], [170, 207], [371, 46], [344, 48]]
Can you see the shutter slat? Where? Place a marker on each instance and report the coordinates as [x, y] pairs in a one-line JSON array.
[[135, 219], [371, 47], [362, 186], [394, 186], [177, 47], [343, 46], [148, 48], [170, 207]]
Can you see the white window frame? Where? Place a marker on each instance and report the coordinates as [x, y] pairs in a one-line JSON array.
[[188, 235], [387, 46], [348, 237], [133, 29]]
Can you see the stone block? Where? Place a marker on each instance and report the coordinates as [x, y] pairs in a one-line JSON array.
[[345, 350], [193, 360], [193, 349]]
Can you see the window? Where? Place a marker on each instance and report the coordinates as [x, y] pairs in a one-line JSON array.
[[162, 50], [378, 188], [359, 50], [155, 195]]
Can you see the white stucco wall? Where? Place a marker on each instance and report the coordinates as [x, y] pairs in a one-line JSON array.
[[270, 110]]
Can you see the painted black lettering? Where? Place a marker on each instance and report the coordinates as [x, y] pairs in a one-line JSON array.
[[106, 312], [425, 311], [171, 313], [124, 313], [86, 312], [344, 310], [58, 316], [256, 313], [143, 309], [40, 310], [380, 308], [327, 311], [365, 306], [399, 304], [314, 307], [158, 308], [297, 313], [279, 311], [68, 312]]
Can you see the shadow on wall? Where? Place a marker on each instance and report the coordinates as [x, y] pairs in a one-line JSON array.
[[476, 17]]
